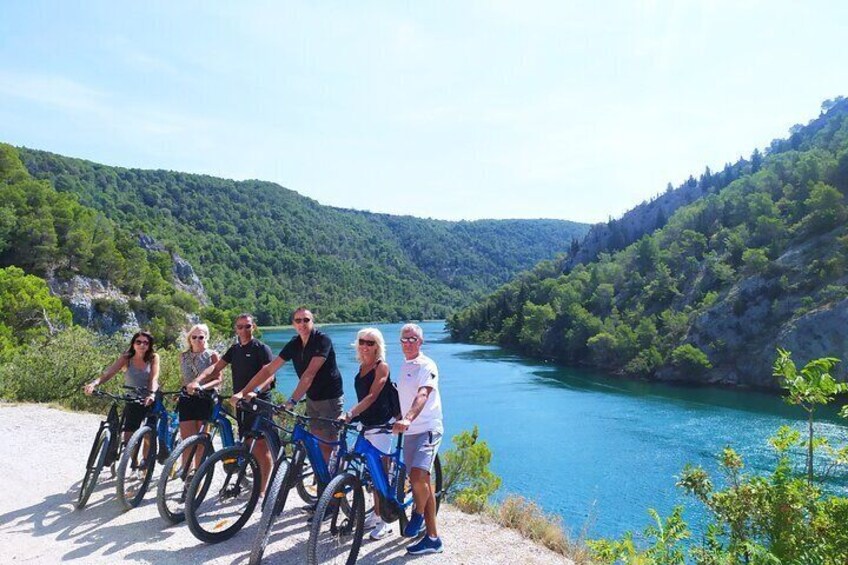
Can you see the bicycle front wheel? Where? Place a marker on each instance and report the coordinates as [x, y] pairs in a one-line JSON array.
[[223, 494], [96, 460], [177, 473], [338, 524], [275, 502], [136, 467]]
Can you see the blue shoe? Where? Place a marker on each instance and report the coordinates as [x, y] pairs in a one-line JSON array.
[[414, 526], [426, 545]]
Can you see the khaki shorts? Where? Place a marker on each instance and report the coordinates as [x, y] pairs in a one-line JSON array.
[[331, 408], [420, 450]]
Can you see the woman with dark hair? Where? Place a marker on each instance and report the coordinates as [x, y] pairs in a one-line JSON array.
[[141, 364]]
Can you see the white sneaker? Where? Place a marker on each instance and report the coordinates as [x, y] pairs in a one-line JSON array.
[[380, 531], [371, 521]]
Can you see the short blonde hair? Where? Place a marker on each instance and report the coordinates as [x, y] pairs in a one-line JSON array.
[[202, 327], [377, 336]]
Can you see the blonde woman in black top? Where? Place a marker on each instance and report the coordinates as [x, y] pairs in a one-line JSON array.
[[374, 407]]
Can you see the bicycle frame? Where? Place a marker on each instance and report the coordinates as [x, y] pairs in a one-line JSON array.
[[367, 457]]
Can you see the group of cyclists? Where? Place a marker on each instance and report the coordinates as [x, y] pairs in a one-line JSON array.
[[412, 406]]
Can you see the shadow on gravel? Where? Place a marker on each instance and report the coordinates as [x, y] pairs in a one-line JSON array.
[[57, 517]]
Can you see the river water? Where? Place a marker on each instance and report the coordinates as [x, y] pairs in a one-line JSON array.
[[596, 450]]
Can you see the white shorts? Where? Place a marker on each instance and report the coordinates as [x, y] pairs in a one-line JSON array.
[[383, 441]]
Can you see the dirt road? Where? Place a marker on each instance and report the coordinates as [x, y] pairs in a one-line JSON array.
[[42, 459]]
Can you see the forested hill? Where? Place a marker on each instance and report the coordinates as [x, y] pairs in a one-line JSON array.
[[261, 247], [45, 234], [749, 266]]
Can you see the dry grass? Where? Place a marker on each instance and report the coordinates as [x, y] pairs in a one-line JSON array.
[[532, 522]]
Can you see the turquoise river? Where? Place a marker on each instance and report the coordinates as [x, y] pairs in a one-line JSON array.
[[596, 450]]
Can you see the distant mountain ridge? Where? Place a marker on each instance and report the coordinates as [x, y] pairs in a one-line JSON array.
[[258, 246]]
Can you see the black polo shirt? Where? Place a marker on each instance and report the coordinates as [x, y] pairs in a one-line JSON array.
[[246, 361], [327, 384]]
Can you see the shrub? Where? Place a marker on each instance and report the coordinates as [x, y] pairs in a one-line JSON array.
[[689, 359], [467, 481]]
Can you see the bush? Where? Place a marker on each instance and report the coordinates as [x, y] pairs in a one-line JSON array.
[[467, 480], [689, 359], [55, 370], [533, 523]]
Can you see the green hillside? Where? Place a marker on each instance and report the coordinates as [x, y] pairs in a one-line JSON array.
[[45, 234], [261, 247], [707, 298]]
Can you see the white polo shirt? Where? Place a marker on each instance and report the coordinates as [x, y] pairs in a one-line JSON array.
[[415, 373]]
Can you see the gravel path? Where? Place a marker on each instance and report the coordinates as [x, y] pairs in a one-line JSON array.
[[42, 458]]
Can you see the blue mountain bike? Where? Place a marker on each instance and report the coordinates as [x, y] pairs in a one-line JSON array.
[[180, 467], [306, 451], [338, 537], [153, 441]]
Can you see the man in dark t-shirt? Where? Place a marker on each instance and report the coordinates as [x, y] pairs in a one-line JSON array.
[[246, 357], [314, 359]]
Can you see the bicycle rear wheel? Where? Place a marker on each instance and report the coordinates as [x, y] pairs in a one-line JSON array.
[[135, 469], [174, 480], [336, 533], [223, 494], [406, 495], [307, 483], [96, 460]]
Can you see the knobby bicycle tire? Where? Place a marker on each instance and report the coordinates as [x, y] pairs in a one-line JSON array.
[[277, 494], [96, 460], [173, 470], [235, 463], [344, 530], [128, 496]]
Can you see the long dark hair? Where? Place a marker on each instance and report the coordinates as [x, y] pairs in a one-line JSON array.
[[148, 355]]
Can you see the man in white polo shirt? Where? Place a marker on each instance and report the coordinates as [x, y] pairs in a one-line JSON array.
[[421, 407]]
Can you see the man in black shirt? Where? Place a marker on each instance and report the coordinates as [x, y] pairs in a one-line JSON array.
[[247, 356], [314, 359]]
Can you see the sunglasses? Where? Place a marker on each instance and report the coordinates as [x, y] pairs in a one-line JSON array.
[[243, 326], [302, 320], [198, 337], [142, 342], [368, 342], [412, 339]]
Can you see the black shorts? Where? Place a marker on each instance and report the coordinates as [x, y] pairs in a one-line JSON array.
[[193, 408], [134, 415]]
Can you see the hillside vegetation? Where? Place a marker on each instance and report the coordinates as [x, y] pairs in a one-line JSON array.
[[45, 234], [261, 247], [752, 264]]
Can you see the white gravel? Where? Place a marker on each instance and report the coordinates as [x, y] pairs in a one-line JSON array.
[[42, 459]]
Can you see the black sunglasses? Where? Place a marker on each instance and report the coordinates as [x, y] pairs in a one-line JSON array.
[[198, 337], [244, 326], [302, 320], [142, 342], [368, 342]]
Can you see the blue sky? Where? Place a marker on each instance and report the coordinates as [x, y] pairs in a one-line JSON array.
[[437, 109]]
